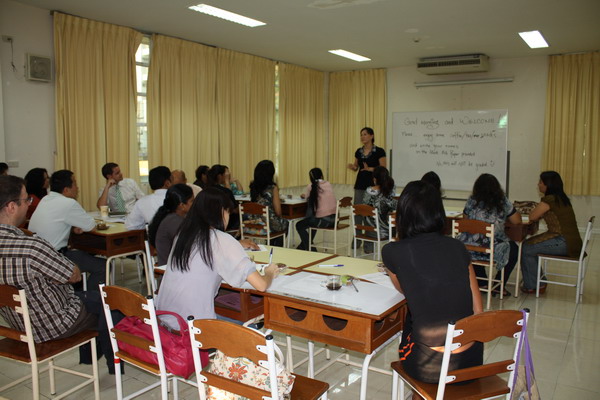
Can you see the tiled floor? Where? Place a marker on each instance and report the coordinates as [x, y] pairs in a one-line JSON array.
[[565, 339]]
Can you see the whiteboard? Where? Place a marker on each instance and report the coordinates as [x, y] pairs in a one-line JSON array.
[[457, 145]]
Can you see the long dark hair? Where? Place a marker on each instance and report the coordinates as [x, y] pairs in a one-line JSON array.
[[200, 171], [488, 192], [313, 198], [554, 185], [34, 182], [433, 179], [176, 195], [263, 178], [382, 178], [206, 214], [420, 210]]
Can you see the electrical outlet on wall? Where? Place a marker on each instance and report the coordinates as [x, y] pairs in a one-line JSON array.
[[7, 39], [13, 163]]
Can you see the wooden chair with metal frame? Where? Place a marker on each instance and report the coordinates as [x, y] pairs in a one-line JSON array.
[[132, 303], [392, 225], [484, 380], [580, 261], [474, 227], [19, 346], [258, 226], [366, 211], [237, 341], [341, 222]]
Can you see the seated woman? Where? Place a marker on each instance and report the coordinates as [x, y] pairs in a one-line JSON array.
[[201, 178], [264, 191], [202, 257], [436, 276], [488, 203], [36, 183], [217, 177], [562, 237], [381, 196], [321, 207], [231, 183], [165, 224]]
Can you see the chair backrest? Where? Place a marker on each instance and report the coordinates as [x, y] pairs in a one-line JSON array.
[[132, 304], [586, 238], [365, 211], [15, 299], [253, 209], [234, 341], [342, 204], [483, 327], [392, 225], [473, 226]]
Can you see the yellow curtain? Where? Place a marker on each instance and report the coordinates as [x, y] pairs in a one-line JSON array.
[[301, 124], [182, 123], [572, 126], [356, 99], [95, 100], [246, 112]]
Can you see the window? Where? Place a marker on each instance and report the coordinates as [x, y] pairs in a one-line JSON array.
[[142, 62]]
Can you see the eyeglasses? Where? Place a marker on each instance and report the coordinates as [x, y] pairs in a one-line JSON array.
[[28, 199]]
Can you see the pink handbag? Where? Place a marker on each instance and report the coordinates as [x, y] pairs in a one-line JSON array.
[[177, 349]]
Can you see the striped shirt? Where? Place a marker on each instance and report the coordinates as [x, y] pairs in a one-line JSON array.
[[30, 263]]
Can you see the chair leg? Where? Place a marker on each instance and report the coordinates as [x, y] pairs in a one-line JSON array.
[[95, 371], [395, 385], [490, 284], [538, 276], [51, 376], [118, 380], [35, 380], [175, 389], [311, 359], [137, 264]]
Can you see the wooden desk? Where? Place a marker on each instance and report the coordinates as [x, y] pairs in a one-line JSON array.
[[298, 304], [114, 242]]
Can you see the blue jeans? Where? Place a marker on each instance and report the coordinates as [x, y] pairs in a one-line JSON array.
[[314, 222], [529, 261]]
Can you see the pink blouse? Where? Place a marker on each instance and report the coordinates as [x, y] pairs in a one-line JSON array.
[[327, 201]]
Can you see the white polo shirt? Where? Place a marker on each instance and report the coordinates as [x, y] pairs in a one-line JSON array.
[[144, 210], [55, 216]]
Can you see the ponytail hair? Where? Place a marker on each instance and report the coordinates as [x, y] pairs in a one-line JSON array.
[[176, 195], [384, 180], [313, 199]]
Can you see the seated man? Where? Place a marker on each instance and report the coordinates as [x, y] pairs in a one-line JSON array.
[[178, 176], [30, 263], [54, 217], [159, 179], [119, 194]]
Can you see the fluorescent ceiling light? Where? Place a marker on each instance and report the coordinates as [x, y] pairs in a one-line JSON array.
[[347, 54], [534, 39], [227, 15]]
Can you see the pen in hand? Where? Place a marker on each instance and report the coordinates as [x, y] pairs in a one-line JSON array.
[[271, 256]]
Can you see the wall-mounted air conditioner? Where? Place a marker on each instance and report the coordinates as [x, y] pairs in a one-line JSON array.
[[453, 64]]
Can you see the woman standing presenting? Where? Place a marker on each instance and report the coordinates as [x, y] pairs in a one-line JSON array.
[[562, 237], [366, 158]]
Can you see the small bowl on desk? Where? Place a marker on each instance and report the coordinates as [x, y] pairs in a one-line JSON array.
[[102, 226]]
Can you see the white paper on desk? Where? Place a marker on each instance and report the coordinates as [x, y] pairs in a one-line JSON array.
[[379, 278], [261, 247]]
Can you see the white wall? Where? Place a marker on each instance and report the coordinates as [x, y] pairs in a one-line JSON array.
[[28, 107], [524, 98]]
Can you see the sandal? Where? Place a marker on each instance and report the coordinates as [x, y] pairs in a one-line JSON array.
[[506, 293]]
